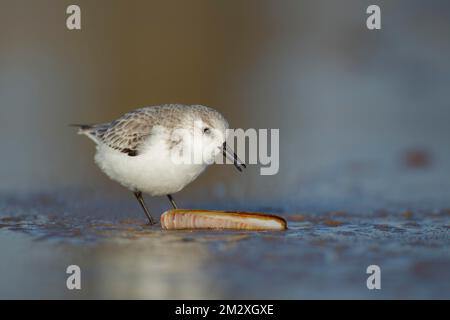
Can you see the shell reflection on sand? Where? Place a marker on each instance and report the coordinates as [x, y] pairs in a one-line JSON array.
[[162, 267], [158, 265]]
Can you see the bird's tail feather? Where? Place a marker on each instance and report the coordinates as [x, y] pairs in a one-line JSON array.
[[88, 130], [82, 128]]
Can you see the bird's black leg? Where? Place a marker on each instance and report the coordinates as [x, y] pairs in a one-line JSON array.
[[172, 201], [138, 196]]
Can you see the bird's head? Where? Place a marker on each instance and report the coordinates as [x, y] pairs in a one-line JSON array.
[[209, 134]]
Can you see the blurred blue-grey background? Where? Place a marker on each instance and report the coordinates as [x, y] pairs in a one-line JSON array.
[[337, 91]]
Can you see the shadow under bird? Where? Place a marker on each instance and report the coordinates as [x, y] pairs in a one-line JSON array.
[[146, 149]]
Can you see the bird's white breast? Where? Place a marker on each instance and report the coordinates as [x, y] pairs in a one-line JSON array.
[[153, 171]]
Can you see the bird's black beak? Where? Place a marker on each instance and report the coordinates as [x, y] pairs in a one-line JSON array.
[[232, 156]]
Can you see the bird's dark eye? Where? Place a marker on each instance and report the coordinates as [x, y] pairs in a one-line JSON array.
[[207, 131]]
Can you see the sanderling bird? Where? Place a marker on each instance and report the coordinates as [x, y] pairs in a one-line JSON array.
[[145, 149]]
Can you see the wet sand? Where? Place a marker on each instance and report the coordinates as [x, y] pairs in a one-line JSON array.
[[324, 254]]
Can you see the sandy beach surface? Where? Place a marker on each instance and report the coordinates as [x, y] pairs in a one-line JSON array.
[[324, 254]]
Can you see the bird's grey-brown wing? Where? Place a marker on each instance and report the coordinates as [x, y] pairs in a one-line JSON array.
[[126, 134]]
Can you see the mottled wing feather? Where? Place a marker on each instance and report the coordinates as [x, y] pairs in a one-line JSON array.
[[128, 133]]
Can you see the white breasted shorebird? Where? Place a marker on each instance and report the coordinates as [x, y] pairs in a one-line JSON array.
[[155, 149]]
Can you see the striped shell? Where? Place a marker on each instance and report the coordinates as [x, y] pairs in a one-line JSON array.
[[179, 219]]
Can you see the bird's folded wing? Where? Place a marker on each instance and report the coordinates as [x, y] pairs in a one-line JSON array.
[[127, 134]]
